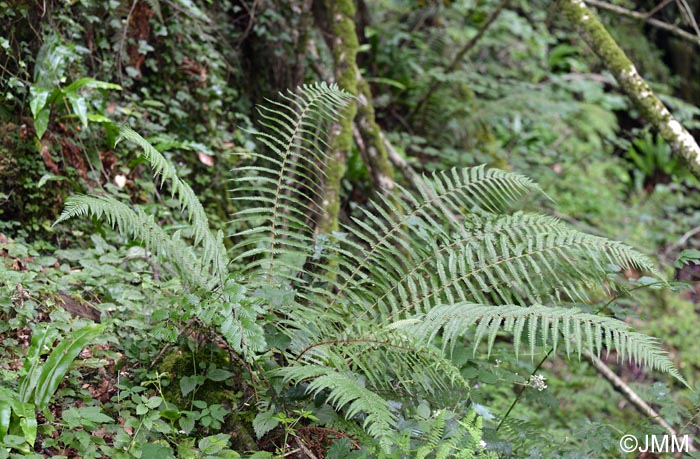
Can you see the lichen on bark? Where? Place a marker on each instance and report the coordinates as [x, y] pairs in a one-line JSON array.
[[616, 61], [377, 159], [339, 22]]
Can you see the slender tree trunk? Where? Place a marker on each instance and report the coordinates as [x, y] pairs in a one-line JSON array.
[[651, 108], [337, 20]]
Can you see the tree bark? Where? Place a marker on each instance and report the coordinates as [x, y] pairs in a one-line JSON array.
[[652, 109], [375, 154], [337, 20], [646, 18]]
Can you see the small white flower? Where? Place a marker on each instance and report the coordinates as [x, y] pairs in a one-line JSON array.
[[482, 443], [537, 381]]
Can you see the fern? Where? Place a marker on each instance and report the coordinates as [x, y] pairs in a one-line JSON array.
[[344, 389], [462, 439], [142, 227], [577, 330], [440, 262], [278, 232], [203, 270], [211, 265], [213, 251], [372, 313]]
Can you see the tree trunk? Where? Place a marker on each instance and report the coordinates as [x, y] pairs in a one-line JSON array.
[[337, 20], [375, 153], [651, 108]]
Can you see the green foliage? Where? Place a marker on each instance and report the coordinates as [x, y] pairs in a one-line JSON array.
[[421, 317], [40, 381], [361, 311], [18, 425], [38, 384], [654, 163], [46, 92]]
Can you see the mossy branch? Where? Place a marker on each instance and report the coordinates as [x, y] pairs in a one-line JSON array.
[[652, 109], [646, 18]]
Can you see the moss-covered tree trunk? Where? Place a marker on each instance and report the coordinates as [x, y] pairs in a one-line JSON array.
[[375, 154], [651, 108], [337, 21]]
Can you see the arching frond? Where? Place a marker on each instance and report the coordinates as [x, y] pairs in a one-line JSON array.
[[142, 227], [213, 251], [391, 235], [520, 259], [283, 187], [390, 361], [576, 331], [344, 390]]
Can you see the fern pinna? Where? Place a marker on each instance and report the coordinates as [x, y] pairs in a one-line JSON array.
[[372, 314]]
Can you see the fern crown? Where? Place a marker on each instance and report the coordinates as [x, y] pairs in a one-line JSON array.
[[381, 306]]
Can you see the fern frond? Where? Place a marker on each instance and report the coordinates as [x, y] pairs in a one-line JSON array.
[[464, 442], [577, 330], [431, 440], [390, 360], [137, 225], [452, 436], [213, 249], [278, 237], [521, 259], [450, 199], [346, 392]]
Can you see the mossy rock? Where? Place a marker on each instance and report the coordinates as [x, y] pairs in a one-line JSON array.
[[215, 389]]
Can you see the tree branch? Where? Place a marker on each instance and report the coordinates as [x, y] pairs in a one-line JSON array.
[[646, 18], [630, 395], [652, 109]]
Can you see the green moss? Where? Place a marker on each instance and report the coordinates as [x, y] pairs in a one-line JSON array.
[[378, 161], [179, 364], [344, 44]]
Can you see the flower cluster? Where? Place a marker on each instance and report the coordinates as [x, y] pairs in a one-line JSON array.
[[537, 381]]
